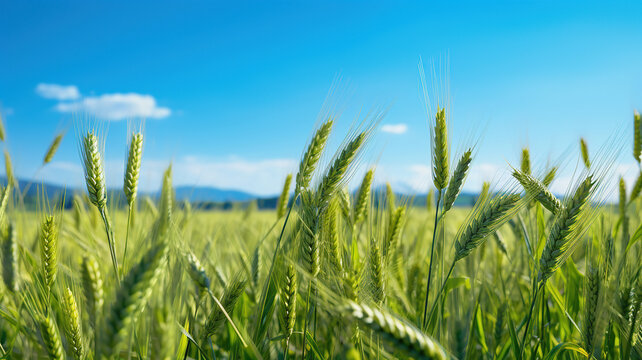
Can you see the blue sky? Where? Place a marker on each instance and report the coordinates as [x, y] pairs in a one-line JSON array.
[[231, 92]]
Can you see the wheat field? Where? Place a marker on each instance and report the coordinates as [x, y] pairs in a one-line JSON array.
[[330, 273]]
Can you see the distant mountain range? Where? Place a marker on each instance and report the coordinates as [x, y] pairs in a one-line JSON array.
[[191, 193], [212, 195]]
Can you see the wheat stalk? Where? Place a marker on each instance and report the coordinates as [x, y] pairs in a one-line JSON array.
[[288, 304], [92, 282], [72, 325], [310, 249], [231, 295], [539, 191], [10, 269], [377, 281], [585, 153], [484, 224], [499, 326], [390, 196], [131, 296], [401, 336], [282, 203], [49, 251], [196, 271], [563, 230], [256, 265], [331, 227], [4, 200], [51, 151], [525, 164], [51, 338], [94, 173], [394, 231], [362, 202]]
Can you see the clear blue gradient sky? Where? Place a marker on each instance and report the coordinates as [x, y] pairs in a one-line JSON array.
[[231, 92]]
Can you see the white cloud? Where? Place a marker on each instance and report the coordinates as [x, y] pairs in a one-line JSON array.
[[395, 128], [261, 177], [58, 92], [117, 106]]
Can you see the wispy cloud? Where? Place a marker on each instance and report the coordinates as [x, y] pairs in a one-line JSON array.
[[58, 92], [261, 177], [394, 128], [116, 106]]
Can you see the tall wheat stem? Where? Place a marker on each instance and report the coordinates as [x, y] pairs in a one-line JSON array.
[[530, 315], [432, 254], [305, 319], [129, 219], [110, 240], [268, 280], [441, 289]]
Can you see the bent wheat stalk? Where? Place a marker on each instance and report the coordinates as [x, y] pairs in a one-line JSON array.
[[130, 187], [95, 181]]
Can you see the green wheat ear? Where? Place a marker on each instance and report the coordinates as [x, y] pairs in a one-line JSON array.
[[331, 230], [51, 338], [336, 172], [539, 191], [94, 173], [525, 165], [288, 301], [394, 231], [484, 224], [232, 293], [440, 151], [362, 202], [312, 156], [310, 248], [92, 283], [282, 203], [557, 244], [132, 172], [377, 281], [2, 132], [395, 332], [49, 251], [72, 326], [4, 200], [457, 179], [196, 271], [10, 268], [585, 153], [51, 151], [11, 180]]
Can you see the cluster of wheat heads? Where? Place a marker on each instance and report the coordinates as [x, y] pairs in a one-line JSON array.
[[332, 273]]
